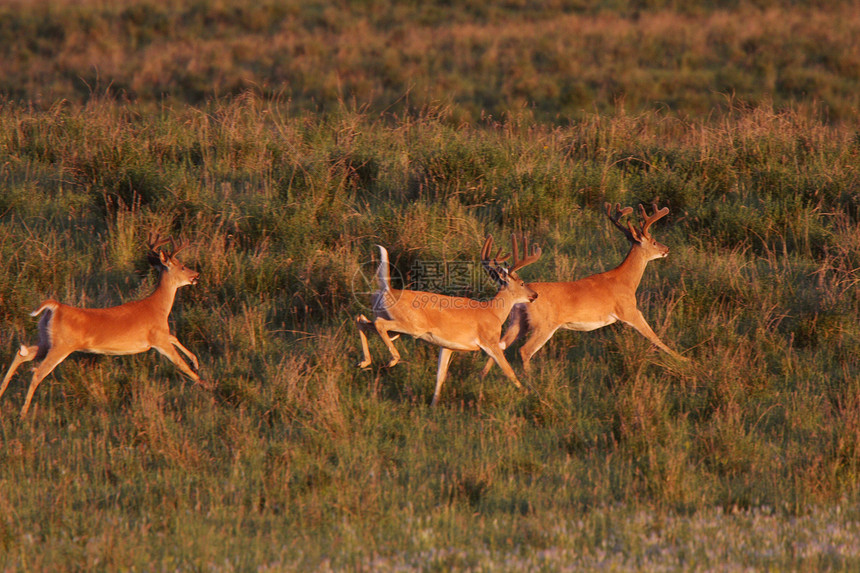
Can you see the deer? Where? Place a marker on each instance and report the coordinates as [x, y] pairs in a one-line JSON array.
[[453, 323], [592, 302], [129, 328]]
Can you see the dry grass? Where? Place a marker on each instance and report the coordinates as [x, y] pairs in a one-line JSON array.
[[747, 458], [557, 61]]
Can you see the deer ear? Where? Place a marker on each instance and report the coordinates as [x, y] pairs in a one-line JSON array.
[[494, 275], [502, 277], [155, 259]]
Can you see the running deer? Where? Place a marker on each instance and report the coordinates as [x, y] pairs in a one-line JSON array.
[[595, 301], [129, 328], [452, 323]]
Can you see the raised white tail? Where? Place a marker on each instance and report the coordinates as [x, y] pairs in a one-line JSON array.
[[383, 273], [48, 304]]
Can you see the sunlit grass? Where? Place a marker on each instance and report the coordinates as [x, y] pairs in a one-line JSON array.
[[619, 457], [559, 60]]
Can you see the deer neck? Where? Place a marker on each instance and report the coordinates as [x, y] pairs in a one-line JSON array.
[[502, 304], [161, 300], [632, 268]]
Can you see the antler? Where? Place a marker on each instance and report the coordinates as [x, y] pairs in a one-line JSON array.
[[633, 234], [528, 259], [648, 221], [174, 248], [492, 263], [156, 241], [488, 248], [628, 231]]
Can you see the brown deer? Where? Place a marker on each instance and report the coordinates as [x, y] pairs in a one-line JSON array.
[[129, 328], [595, 301], [452, 323]]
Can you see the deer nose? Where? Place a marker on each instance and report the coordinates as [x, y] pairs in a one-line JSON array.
[[533, 297]]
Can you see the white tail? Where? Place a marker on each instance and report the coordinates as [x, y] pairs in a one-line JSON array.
[[452, 323], [383, 273], [130, 328], [595, 301]]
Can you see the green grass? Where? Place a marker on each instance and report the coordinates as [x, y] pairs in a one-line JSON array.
[[746, 458], [284, 140]]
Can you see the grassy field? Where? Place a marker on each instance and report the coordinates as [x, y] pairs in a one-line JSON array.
[[746, 458], [559, 58]]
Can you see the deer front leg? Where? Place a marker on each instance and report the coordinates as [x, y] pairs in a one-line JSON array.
[[169, 352], [497, 355], [516, 325], [637, 321], [194, 363]]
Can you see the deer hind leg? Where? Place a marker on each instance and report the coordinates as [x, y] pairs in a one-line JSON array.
[[25, 354], [382, 327], [537, 339], [445, 355], [638, 322], [52, 359]]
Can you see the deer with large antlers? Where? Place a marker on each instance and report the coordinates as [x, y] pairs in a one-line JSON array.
[[452, 323], [595, 301], [130, 328]]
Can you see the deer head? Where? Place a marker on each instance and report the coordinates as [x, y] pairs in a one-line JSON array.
[[640, 237], [167, 262], [504, 276]]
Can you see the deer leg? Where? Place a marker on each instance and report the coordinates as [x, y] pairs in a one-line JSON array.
[[516, 325], [175, 342], [52, 359], [445, 355], [25, 354], [497, 355], [382, 326], [538, 338], [364, 325], [487, 367], [169, 352], [638, 322]]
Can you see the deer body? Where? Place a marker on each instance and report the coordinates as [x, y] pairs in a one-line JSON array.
[[592, 302], [452, 323], [476, 320], [130, 328]]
